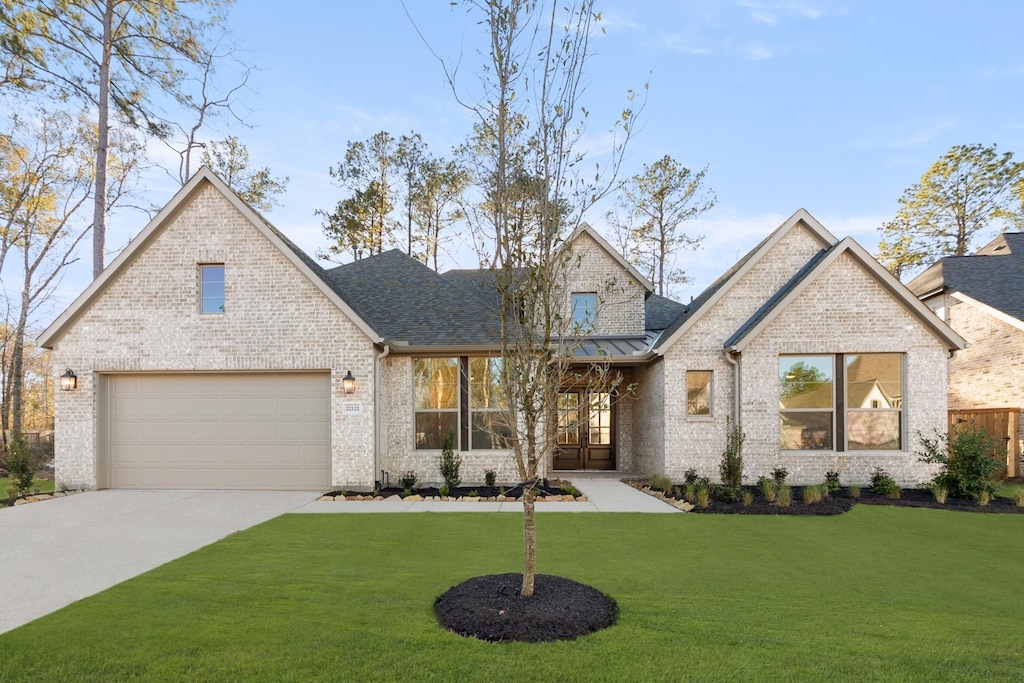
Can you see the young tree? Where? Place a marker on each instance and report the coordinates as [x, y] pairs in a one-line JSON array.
[[655, 204], [229, 159], [969, 189], [528, 123], [108, 53]]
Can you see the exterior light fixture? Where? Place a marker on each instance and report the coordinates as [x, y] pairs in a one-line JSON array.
[[68, 381], [348, 383]]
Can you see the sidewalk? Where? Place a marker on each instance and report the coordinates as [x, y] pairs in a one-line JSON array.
[[603, 495]]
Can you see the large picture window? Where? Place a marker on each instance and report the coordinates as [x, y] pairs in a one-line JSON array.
[[436, 401], [841, 402], [462, 397]]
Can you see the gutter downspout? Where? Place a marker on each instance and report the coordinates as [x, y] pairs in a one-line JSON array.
[[378, 416], [733, 358]]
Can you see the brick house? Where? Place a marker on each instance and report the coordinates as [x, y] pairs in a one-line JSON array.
[[213, 353], [979, 297]]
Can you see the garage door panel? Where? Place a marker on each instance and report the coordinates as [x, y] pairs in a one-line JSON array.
[[257, 431]]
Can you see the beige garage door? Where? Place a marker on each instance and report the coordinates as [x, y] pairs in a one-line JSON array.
[[218, 431]]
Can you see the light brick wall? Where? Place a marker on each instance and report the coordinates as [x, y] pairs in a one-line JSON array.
[[990, 372], [275, 319], [647, 448], [697, 442], [620, 308], [843, 311]]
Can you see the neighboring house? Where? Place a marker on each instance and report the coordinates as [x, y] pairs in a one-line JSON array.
[[981, 296], [213, 353]]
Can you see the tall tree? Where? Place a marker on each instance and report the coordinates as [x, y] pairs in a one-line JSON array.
[[409, 159], [436, 203], [108, 53], [967, 190], [229, 159], [528, 123], [655, 204], [364, 218]]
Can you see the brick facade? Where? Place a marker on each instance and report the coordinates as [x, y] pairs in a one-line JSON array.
[[147, 320], [620, 307]]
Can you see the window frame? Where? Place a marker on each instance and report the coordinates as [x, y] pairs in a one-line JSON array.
[[473, 410], [586, 323], [710, 386], [416, 410], [202, 269], [841, 410]]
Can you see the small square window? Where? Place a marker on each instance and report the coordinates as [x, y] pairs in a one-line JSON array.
[[211, 288], [584, 309], [698, 392]]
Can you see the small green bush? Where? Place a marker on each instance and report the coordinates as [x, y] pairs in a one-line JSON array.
[[812, 495], [832, 481], [443, 491], [825, 490], [883, 484], [690, 493], [661, 482], [450, 463], [690, 476], [1018, 497], [748, 498], [984, 497], [939, 492], [967, 458], [408, 481], [20, 466], [784, 495], [779, 474], [571, 491], [473, 494], [703, 494], [768, 487], [490, 478], [854, 491], [731, 467]]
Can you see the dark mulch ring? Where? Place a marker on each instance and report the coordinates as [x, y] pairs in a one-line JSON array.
[[491, 608], [841, 501]]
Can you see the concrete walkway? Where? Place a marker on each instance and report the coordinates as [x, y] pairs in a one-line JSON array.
[[603, 494]]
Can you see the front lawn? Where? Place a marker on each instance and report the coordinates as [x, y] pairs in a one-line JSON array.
[[878, 593], [45, 486]]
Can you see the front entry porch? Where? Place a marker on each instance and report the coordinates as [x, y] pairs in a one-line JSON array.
[[586, 438]]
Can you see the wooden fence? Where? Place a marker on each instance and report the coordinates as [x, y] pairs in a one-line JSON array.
[[1001, 425]]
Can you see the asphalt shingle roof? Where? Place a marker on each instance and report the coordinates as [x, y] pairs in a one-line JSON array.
[[992, 276]]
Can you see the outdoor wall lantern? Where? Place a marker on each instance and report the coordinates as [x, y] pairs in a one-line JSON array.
[[68, 381], [348, 383]]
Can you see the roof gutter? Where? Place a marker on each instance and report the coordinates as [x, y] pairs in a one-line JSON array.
[[378, 415], [732, 357]]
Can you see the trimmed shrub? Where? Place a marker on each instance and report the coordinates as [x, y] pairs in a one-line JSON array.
[[883, 484], [490, 478], [408, 481], [832, 481]]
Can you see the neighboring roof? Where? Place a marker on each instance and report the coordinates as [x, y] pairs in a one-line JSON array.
[[203, 176], [413, 305], [796, 285], [717, 289], [993, 276]]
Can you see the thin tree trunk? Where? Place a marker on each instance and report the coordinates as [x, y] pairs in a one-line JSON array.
[[99, 212], [529, 542], [18, 355]]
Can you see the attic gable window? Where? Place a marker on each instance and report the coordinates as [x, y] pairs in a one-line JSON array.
[[211, 288], [584, 309]]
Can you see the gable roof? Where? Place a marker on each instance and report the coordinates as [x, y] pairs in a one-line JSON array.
[[203, 177], [993, 276], [814, 269], [584, 228], [720, 287]]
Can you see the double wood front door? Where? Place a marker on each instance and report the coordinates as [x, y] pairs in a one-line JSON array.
[[586, 437]]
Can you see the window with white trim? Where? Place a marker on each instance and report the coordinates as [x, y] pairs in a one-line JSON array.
[[436, 401], [698, 393], [211, 288]]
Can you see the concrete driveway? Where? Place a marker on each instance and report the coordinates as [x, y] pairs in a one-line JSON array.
[[55, 552]]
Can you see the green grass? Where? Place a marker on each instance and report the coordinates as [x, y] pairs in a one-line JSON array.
[[45, 486], [879, 593]]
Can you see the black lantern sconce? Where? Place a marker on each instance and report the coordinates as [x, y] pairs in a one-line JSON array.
[[348, 383], [68, 381]]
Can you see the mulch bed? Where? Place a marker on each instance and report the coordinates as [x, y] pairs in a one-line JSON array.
[[490, 608], [547, 488], [841, 501]]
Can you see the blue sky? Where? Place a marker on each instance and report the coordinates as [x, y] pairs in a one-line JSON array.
[[833, 106]]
